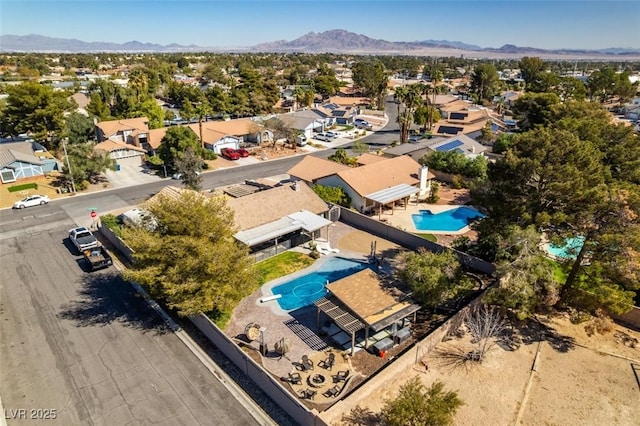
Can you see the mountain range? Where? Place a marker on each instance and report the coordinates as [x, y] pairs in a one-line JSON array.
[[333, 41]]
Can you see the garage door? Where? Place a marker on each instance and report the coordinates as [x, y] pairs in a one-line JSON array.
[[222, 145]]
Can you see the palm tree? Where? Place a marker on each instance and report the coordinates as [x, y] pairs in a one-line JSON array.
[[410, 97]]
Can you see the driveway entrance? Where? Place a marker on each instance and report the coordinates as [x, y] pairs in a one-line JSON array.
[[131, 172]]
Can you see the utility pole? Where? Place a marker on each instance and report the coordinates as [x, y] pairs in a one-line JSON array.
[[64, 147]]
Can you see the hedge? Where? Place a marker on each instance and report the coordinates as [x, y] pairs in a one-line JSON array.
[[22, 187]]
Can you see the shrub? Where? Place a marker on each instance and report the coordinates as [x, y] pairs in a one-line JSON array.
[[24, 186], [113, 223]]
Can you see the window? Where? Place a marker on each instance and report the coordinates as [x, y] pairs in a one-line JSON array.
[[7, 176]]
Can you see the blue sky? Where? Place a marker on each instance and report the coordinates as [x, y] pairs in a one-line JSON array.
[[239, 23]]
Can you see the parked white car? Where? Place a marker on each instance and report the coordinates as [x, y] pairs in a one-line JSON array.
[[323, 137], [332, 135], [30, 201]]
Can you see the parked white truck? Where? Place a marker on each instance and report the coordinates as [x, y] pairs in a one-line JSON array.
[[83, 239]]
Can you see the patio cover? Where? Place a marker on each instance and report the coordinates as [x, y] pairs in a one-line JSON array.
[[362, 300], [299, 220], [394, 193]]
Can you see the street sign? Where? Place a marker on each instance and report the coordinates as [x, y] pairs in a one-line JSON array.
[[93, 214]]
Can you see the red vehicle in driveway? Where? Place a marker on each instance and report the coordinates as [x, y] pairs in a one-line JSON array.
[[243, 152], [230, 154]]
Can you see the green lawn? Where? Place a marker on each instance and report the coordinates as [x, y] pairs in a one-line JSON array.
[[282, 264], [429, 237]]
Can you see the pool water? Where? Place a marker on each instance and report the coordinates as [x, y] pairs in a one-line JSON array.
[[569, 250], [450, 220], [305, 290]]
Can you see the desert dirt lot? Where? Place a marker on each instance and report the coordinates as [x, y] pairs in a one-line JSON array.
[[578, 379]]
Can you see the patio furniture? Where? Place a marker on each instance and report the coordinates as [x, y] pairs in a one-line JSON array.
[[327, 363], [308, 394], [293, 378], [306, 364], [332, 393], [341, 376]]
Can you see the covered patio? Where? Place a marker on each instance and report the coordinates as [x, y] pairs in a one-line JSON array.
[[391, 195], [364, 301], [273, 234]]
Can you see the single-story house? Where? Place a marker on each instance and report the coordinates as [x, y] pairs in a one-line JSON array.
[[133, 131], [306, 121], [338, 114], [368, 158], [25, 159], [218, 135], [377, 184], [415, 150], [310, 169], [461, 117], [16, 165], [461, 143], [279, 218]]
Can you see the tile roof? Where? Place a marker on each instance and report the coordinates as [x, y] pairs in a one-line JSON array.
[[110, 128], [110, 146], [237, 127], [349, 100], [273, 204], [155, 137], [368, 158], [312, 168], [382, 174]]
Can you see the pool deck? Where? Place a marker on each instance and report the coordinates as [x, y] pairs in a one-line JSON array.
[[299, 327]]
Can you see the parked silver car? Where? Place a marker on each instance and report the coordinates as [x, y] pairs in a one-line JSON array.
[[323, 137]]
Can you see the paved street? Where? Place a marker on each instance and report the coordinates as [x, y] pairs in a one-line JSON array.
[[87, 346]]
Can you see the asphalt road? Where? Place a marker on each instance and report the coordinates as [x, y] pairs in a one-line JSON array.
[[87, 346]]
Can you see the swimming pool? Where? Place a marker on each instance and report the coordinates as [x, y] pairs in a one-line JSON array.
[[450, 220], [569, 250], [305, 290]]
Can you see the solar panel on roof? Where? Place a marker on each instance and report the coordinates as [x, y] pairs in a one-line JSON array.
[[450, 145], [449, 130], [339, 113], [331, 106], [458, 115]]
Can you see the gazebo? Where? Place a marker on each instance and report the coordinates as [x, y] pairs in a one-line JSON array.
[[364, 301]]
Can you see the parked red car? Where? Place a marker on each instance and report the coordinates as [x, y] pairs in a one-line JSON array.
[[230, 154], [243, 152]]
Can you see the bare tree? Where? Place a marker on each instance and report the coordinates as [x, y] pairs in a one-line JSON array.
[[485, 324]]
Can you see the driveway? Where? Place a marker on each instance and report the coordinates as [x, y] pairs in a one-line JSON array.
[[130, 173]]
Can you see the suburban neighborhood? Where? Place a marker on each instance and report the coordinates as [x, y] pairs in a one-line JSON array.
[[318, 239]]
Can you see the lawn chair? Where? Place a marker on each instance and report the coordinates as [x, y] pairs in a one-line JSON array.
[[308, 394], [306, 364], [332, 393], [327, 364], [341, 376], [293, 378]]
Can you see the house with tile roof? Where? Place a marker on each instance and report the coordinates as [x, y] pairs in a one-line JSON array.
[[310, 169], [463, 144], [369, 186], [120, 150], [289, 215], [133, 131], [461, 117], [217, 135]]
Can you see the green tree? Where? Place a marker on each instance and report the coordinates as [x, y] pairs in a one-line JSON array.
[[150, 109], [433, 277], [341, 156], [534, 109], [175, 143], [409, 99], [35, 109], [372, 77], [530, 69], [191, 260], [87, 164], [502, 144], [527, 283], [601, 84], [416, 405], [333, 194], [484, 81], [189, 166], [80, 128], [359, 147]]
